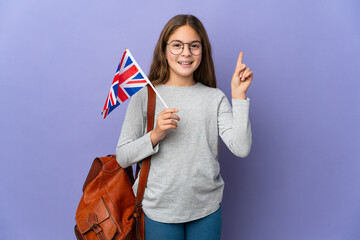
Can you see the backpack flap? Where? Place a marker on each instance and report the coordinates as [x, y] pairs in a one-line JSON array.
[[95, 220]]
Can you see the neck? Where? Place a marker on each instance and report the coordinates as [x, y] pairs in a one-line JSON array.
[[181, 82]]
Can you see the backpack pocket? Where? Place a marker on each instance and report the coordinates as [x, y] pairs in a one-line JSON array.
[[95, 222]]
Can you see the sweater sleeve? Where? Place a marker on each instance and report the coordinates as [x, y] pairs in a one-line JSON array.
[[234, 125], [134, 143]]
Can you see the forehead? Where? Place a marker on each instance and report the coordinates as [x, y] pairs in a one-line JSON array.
[[185, 34]]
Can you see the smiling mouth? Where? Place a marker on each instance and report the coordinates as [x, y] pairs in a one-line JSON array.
[[184, 63]]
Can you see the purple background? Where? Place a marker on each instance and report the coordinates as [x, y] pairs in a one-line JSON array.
[[302, 177]]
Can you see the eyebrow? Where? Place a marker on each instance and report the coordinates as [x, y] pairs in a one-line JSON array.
[[183, 42]]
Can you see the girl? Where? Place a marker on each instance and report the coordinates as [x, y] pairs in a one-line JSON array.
[[185, 189]]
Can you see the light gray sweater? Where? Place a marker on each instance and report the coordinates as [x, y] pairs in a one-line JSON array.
[[184, 182]]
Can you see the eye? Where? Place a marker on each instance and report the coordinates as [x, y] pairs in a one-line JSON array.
[[195, 45]]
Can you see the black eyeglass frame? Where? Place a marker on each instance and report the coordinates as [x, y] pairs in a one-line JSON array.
[[183, 46]]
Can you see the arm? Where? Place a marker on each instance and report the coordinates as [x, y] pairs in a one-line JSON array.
[[234, 125], [134, 143]]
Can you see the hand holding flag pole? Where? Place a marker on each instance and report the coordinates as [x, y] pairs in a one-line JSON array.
[[128, 80]]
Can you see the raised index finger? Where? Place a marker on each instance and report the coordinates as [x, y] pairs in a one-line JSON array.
[[239, 61]]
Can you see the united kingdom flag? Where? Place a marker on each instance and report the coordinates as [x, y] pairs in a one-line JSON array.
[[128, 79]]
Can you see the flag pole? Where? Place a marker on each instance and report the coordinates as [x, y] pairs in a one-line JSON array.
[[144, 75]]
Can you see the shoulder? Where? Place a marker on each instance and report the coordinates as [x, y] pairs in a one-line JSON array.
[[207, 89], [140, 96], [213, 91], [142, 93], [214, 95], [138, 101]]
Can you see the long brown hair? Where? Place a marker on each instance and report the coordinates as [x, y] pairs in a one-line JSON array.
[[159, 70]]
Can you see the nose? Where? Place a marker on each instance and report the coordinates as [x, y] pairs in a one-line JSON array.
[[186, 50]]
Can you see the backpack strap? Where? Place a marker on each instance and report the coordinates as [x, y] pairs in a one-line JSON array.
[[145, 167]]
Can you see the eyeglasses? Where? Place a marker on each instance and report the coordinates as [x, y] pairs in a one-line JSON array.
[[176, 47]]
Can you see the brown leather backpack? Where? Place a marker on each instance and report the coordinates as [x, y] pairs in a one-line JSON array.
[[108, 208]]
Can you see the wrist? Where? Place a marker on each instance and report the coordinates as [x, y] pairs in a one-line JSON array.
[[237, 95], [154, 138]]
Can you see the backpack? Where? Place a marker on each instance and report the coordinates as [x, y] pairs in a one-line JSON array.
[[108, 208]]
